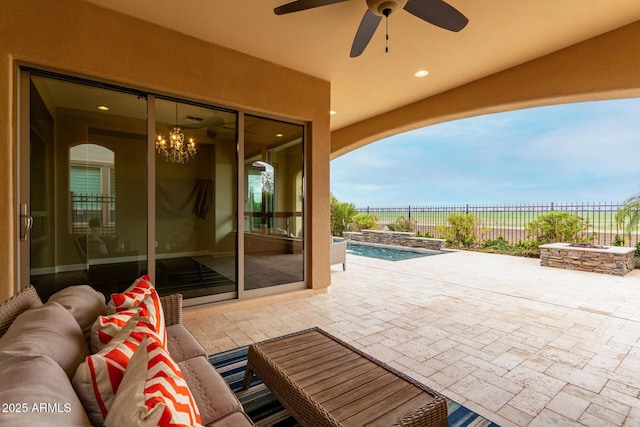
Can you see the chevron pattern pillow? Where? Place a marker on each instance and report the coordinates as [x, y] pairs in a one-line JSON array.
[[122, 307], [153, 392], [139, 290], [96, 380]]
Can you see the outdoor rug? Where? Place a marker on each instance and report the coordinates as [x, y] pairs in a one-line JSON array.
[[265, 410]]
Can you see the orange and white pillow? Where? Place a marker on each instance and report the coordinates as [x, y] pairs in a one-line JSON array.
[[106, 327], [140, 295], [130, 298], [153, 392], [97, 380]]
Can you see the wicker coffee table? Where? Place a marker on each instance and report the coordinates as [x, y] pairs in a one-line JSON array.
[[323, 381]]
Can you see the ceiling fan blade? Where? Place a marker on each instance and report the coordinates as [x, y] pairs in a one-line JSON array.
[[297, 6], [367, 27], [437, 13]]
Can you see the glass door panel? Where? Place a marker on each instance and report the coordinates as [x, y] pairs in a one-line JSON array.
[[273, 217], [88, 193], [89, 214], [196, 207]]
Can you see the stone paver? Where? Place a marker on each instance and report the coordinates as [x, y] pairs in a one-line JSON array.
[[521, 344]]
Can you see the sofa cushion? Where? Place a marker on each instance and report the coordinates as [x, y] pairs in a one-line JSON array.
[[97, 379], [49, 330], [153, 392], [237, 419], [22, 301], [35, 391], [84, 303], [182, 345], [212, 394]]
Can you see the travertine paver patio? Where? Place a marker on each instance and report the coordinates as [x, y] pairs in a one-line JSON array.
[[522, 345]]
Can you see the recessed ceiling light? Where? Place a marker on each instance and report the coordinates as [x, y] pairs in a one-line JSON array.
[[279, 135], [421, 73], [103, 108], [332, 112]]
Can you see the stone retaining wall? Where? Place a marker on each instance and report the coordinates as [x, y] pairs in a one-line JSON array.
[[612, 260], [396, 238]]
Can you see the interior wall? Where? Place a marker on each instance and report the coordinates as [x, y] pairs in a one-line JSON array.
[[72, 129], [42, 182], [225, 208], [604, 67], [186, 234], [78, 37], [288, 163]]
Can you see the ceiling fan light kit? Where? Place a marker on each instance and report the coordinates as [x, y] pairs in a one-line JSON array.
[[385, 7], [435, 12]]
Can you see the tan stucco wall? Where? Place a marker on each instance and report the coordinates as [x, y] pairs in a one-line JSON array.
[[605, 67], [78, 37]]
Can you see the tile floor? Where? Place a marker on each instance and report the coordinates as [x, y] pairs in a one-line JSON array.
[[520, 344]]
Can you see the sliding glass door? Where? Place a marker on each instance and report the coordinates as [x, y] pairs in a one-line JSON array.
[[196, 200], [115, 183], [273, 217], [87, 186]]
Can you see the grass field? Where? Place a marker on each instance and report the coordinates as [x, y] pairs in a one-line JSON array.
[[508, 220], [596, 219]]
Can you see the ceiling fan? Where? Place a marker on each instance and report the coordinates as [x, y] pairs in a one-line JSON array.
[[436, 12], [211, 124]]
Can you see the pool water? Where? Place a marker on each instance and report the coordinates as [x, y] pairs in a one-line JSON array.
[[390, 254]]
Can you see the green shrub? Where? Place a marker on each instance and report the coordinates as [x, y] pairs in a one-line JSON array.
[[342, 213], [461, 230], [527, 248], [425, 234], [365, 221], [402, 223], [617, 241], [497, 245], [559, 226], [628, 216]]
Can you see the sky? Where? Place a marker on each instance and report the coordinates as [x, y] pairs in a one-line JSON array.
[[582, 152]]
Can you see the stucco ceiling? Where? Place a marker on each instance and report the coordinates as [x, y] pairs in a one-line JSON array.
[[500, 34]]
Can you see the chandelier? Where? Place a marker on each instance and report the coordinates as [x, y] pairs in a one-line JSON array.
[[176, 149]]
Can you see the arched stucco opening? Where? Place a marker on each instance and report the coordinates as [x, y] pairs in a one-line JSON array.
[[604, 67]]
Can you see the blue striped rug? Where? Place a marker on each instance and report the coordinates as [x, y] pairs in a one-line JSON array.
[[264, 409]]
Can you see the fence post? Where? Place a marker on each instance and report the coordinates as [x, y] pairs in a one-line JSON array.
[[409, 211]]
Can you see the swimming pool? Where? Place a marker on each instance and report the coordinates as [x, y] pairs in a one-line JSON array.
[[388, 253]]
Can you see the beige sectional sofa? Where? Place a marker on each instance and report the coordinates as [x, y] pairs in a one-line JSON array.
[[42, 345]]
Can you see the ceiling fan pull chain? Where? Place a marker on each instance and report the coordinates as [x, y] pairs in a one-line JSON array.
[[386, 46]]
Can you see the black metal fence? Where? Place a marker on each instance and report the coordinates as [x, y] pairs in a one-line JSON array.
[[85, 208], [508, 221]]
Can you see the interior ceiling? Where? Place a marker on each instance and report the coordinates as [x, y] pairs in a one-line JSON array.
[[206, 125], [500, 34]]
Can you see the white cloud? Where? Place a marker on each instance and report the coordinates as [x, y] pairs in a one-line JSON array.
[[579, 152]]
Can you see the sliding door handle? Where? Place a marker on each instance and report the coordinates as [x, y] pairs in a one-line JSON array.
[[26, 222]]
